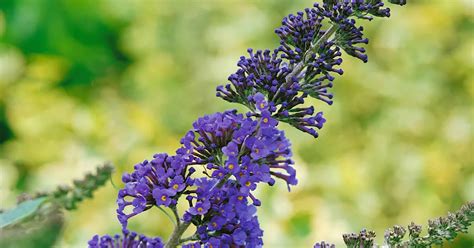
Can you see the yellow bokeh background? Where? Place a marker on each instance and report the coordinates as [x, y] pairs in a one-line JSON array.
[[83, 82]]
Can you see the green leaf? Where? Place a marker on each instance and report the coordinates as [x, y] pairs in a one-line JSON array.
[[22, 211]]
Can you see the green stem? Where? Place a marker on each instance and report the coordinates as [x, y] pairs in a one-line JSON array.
[[191, 238], [175, 237], [176, 216], [300, 66], [169, 216]]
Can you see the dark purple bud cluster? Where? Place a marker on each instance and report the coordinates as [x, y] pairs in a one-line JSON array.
[[305, 62], [259, 81], [298, 33], [347, 34], [338, 10], [262, 71], [225, 156], [399, 2]]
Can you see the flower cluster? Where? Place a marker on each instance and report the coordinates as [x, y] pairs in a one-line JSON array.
[[305, 62], [223, 216], [127, 239], [158, 182], [225, 156], [236, 153], [250, 149], [260, 84]]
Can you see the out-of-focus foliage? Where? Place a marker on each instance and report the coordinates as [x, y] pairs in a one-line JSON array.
[[22, 211], [37, 220], [69, 196], [43, 229], [82, 82]]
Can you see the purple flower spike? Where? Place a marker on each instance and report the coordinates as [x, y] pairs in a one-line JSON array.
[[233, 153]]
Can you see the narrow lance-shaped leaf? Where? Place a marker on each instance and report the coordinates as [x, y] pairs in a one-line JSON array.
[[22, 211]]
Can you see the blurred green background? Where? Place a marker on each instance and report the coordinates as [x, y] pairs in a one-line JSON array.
[[83, 81]]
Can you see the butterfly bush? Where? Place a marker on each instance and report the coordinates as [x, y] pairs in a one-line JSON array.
[[227, 155]]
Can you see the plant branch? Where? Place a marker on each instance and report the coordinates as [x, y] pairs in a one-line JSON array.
[[176, 216], [300, 66], [190, 238], [169, 216], [175, 237], [439, 230]]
